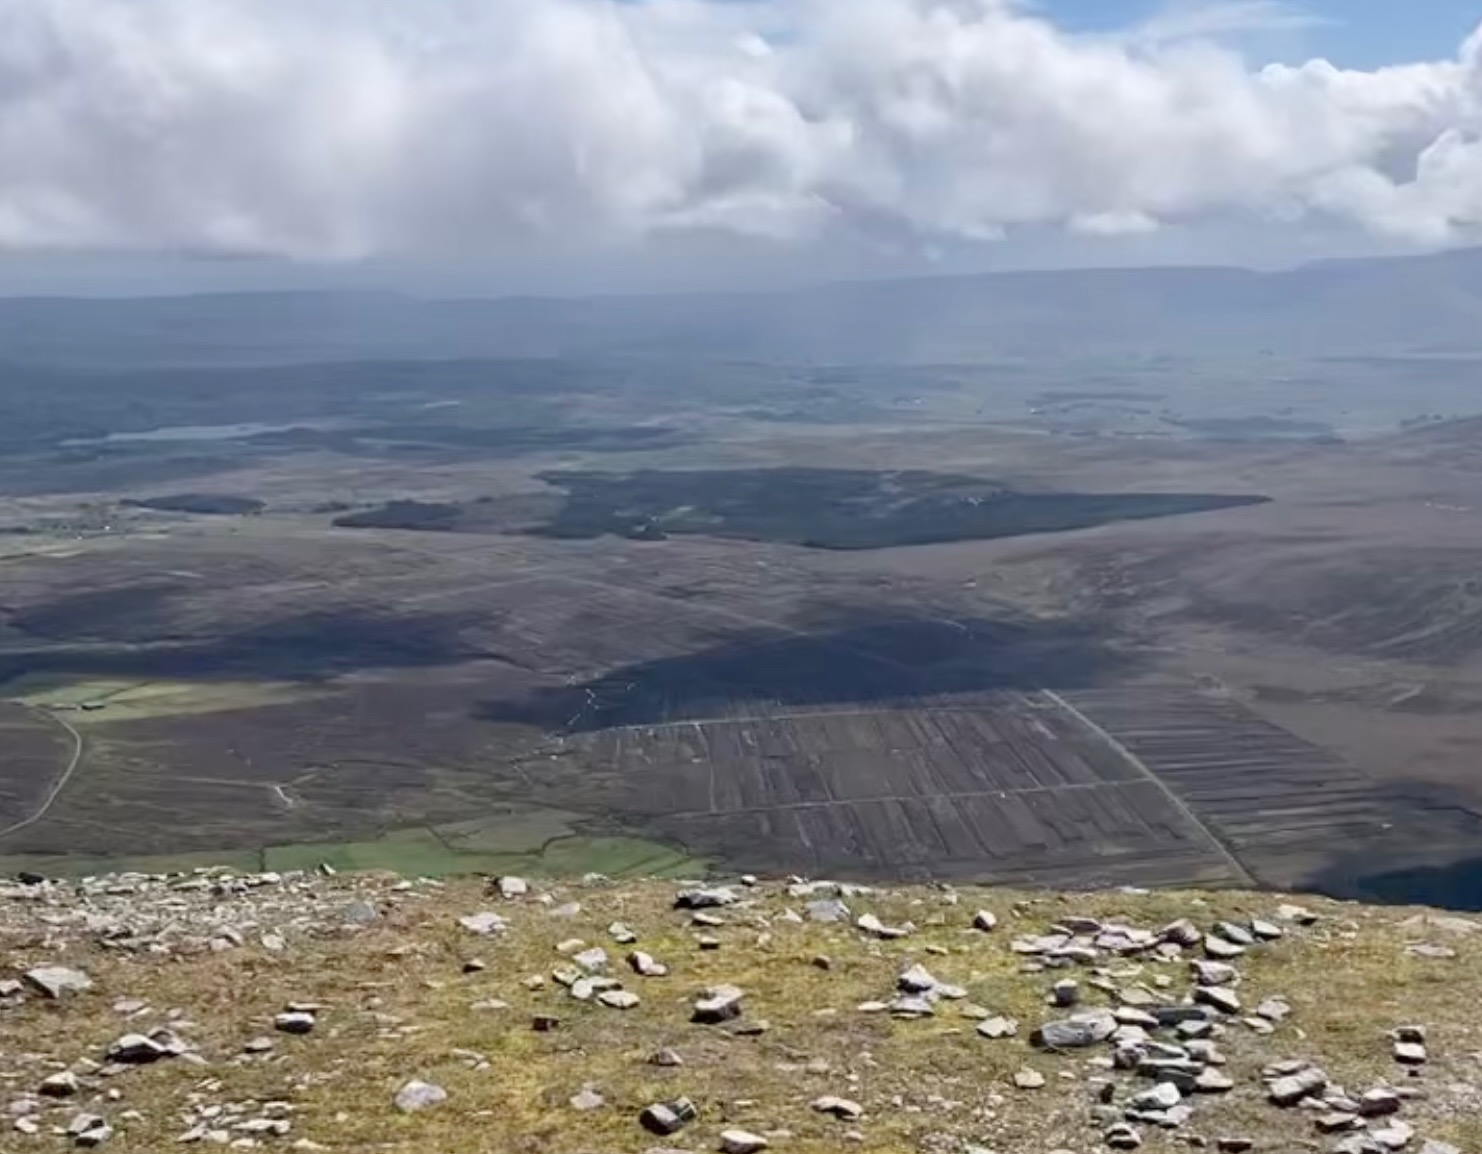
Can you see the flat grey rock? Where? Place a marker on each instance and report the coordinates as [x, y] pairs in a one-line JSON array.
[[1395, 1136], [1215, 973], [1290, 1089], [916, 980], [873, 926], [843, 1108], [1221, 949], [1181, 933], [827, 911], [705, 898], [742, 1142], [1234, 932], [717, 1004], [1222, 998], [998, 1027], [594, 960], [58, 981], [912, 1006], [1076, 1033], [485, 923]]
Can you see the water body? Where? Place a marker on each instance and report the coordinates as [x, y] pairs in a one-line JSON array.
[[172, 433]]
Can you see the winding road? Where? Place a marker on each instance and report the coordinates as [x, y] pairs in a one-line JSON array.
[[61, 782]]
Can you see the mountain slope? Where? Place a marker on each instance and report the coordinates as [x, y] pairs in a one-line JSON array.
[[365, 1013]]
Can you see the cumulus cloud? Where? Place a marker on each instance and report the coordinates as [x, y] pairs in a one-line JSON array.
[[347, 128]]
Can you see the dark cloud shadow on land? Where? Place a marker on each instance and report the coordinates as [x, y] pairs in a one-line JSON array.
[[854, 659], [308, 647]]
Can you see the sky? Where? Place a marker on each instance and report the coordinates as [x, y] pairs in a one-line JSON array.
[[611, 145], [1351, 33]]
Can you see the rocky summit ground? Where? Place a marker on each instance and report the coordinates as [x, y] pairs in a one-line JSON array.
[[369, 1013]]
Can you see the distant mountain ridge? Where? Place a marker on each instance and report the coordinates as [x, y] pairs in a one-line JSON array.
[[1386, 306]]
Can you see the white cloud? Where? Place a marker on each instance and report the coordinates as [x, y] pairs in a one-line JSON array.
[[347, 128], [1224, 18]]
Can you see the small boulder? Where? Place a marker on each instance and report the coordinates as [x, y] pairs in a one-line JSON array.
[[827, 911], [717, 1004], [645, 966], [418, 1095], [136, 1050], [873, 926], [664, 1118], [1411, 1053], [62, 1084], [742, 1142], [295, 1022], [1076, 1033], [1289, 1089], [841, 1108], [704, 898], [594, 960], [1163, 1096], [1221, 949]]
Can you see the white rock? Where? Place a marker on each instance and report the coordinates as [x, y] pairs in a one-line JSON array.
[[485, 923], [1163, 1096], [872, 925], [594, 960], [419, 1095], [742, 1142]]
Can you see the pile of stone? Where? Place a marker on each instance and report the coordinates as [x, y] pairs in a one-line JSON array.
[[207, 910]]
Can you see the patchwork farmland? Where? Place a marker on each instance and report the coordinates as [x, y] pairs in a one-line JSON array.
[[1091, 788]]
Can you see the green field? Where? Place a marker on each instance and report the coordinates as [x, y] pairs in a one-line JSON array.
[[539, 848]]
